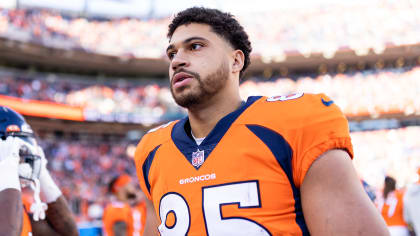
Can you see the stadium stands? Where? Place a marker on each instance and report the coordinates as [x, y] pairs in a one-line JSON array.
[[360, 27], [362, 93], [98, 99], [365, 93], [84, 168], [392, 152]]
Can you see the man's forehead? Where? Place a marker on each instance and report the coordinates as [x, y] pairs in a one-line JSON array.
[[186, 31]]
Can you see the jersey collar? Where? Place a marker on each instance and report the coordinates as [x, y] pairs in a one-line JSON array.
[[187, 146]]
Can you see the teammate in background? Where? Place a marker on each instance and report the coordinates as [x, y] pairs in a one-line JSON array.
[[412, 205], [265, 166], [126, 214], [23, 164], [391, 207]]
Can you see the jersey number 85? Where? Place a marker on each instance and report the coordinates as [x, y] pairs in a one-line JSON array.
[[244, 194]]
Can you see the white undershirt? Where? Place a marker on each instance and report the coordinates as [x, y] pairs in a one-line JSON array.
[[198, 141]]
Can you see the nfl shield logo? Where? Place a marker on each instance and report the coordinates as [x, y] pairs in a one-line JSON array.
[[197, 158]]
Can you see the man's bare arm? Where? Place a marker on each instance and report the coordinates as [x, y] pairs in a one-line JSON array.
[[59, 220], [10, 195], [41, 227], [152, 224], [334, 202], [11, 212]]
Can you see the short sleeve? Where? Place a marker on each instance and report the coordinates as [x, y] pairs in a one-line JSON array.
[[145, 153], [324, 128]]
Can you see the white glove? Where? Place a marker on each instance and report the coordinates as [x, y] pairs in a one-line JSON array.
[[9, 162], [49, 190], [38, 208], [9, 148], [38, 211]]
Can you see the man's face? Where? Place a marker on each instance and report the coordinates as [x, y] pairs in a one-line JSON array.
[[129, 191], [199, 64]]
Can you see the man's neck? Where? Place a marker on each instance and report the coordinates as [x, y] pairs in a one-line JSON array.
[[203, 119]]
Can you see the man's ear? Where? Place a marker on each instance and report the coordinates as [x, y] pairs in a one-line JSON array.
[[238, 61]]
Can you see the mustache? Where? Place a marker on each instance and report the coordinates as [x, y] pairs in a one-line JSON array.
[[194, 74]]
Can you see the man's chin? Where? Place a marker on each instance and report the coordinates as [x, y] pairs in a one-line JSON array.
[[185, 99], [187, 103]]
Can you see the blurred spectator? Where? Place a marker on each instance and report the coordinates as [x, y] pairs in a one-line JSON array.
[[412, 205], [391, 207], [126, 214]]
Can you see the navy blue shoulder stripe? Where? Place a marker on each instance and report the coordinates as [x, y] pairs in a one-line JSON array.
[[146, 166], [283, 153]]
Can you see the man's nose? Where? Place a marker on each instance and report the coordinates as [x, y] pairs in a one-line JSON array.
[[179, 60]]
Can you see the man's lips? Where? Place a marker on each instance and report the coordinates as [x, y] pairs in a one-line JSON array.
[[181, 78]]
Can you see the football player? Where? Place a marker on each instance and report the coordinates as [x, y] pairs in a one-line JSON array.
[[126, 214], [264, 166], [23, 164]]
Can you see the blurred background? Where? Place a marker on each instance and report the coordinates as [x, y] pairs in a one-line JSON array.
[[90, 76]]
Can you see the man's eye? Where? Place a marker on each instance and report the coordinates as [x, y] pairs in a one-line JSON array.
[[196, 46], [171, 55]]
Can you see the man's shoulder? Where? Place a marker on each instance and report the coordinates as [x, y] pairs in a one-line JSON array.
[[162, 129], [295, 109], [298, 102], [154, 138]]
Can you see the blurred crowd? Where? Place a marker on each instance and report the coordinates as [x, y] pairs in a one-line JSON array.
[[394, 152], [151, 99], [84, 169], [389, 160], [369, 92], [362, 93], [363, 26]]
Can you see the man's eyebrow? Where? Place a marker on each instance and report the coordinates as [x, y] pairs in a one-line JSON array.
[[171, 46]]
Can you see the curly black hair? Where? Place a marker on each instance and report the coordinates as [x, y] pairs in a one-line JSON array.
[[223, 24]]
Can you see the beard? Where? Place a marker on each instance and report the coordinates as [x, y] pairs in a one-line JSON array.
[[206, 89]]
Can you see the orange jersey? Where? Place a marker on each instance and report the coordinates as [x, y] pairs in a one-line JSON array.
[[133, 217], [244, 178], [392, 208], [26, 223]]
